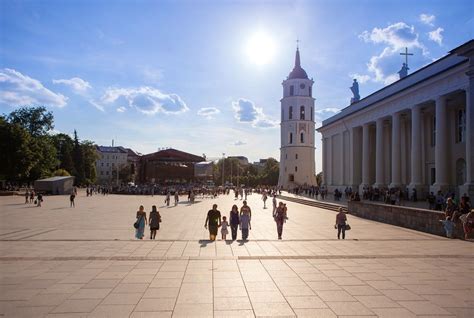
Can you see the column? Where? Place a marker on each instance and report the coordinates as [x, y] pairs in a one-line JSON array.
[[325, 153], [379, 162], [416, 164], [396, 181], [329, 164], [441, 145], [365, 157], [468, 187], [343, 155]]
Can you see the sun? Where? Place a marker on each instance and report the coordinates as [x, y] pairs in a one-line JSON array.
[[260, 48]]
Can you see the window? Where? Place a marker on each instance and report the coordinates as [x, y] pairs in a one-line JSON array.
[[286, 156], [296, 156], [290, 114], [311, 113], [296, 169], [302, 113], [433, 132], [292, 90], [102, 164], [310, 92], [291, 138], [102, 173], [107, 164], [302, 138], [107, 173], [113, 164], [291, 178], [461, 126]]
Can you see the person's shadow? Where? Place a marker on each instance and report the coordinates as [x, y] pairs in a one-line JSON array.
[[205, 242]]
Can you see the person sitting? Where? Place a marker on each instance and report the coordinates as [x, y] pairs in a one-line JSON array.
[[450, 209], [468, 223]]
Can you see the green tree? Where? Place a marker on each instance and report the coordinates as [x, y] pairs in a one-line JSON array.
[[64, 146], [16, 156], [61, 173], [36, 120], [78, 159], [45, 157], [271, 172], [125, 173], [89, 155]]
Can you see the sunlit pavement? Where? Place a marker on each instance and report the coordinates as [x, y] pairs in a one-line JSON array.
[[57, 261]]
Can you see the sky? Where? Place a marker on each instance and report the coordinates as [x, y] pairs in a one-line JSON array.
[[205, 76]]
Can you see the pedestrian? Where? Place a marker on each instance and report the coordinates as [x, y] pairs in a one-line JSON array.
[[176, 198], [27, 196], [32, 196], [168, 198], [39, 199], [340, 225], [274, 201], [448, 225], [246, 209], [264, 198], [280, 218], [245, 225], [223, 226], [140, 223], [234, 221], [468, 223], [154, 222], [213, 221], [72, 197]]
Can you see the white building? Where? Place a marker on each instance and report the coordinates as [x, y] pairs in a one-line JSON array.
[[297, 165], [417, 132], [109, 162]]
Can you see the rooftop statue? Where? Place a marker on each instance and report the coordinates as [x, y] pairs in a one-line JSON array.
[[355, 91]]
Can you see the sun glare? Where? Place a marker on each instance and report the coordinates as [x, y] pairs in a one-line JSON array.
[[260, 48]]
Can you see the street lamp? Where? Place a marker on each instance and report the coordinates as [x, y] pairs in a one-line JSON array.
[[223, 161]]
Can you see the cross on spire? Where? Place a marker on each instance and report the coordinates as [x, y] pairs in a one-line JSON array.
[[297, 43], [406, 55]]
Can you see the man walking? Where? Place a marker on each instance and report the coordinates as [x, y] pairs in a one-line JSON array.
[[213, 221]]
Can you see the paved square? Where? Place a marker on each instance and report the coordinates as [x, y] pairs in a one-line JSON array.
[[57, 261]]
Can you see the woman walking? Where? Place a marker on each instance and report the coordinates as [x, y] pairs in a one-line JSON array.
[[234, 221], [154, 222], [280, 218], [341, 219], [141, 220]]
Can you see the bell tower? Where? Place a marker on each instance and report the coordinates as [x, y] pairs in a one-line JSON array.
[[297, 164]]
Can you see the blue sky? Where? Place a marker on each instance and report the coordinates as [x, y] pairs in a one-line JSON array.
[[182, 74]]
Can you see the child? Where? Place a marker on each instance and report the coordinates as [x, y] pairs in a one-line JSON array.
[[224, 225], [448, 226]]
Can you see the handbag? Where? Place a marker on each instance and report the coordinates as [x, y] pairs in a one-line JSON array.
[[137, 223], [348, 227]]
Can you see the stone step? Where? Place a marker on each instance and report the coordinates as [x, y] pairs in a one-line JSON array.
[[317, 204]]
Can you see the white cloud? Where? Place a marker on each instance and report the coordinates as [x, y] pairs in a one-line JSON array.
[[427, 19], [246, 112], [121, 109], [17, 89], [361, 78], [436, 36], [97, 105], [146, 100], [239, 143], [208, 112], [396, 37], [78, 85]]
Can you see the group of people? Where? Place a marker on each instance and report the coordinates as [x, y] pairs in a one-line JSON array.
[[32, 197], [153, 221], [237, 220], [455, 213]]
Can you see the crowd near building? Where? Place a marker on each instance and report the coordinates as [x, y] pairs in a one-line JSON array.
[[417, 133]]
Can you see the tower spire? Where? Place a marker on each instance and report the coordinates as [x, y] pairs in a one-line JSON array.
[[297, 57]]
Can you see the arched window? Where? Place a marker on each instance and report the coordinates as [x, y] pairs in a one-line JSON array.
[[311, 113], [302, 138], [296, 156], [291, 138], [296, 169], [290, 114], [292, 90], [302, 113], [461, 126]]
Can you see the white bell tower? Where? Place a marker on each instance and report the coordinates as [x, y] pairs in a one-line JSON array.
[[297, 164]]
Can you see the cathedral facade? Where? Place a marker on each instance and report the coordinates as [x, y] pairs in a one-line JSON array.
[[417, 133], [297, 162]]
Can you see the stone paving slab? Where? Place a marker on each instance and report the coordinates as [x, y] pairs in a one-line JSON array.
[[83, 262]]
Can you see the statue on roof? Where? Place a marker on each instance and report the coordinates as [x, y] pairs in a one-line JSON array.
[[355, 91], [404, 71]]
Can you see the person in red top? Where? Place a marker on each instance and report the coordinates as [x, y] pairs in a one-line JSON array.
[[341, 224]]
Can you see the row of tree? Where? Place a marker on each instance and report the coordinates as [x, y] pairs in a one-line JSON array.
[[30, 151], [248, 175]]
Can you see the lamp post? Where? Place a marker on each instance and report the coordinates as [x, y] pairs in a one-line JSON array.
[[223, 161]]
